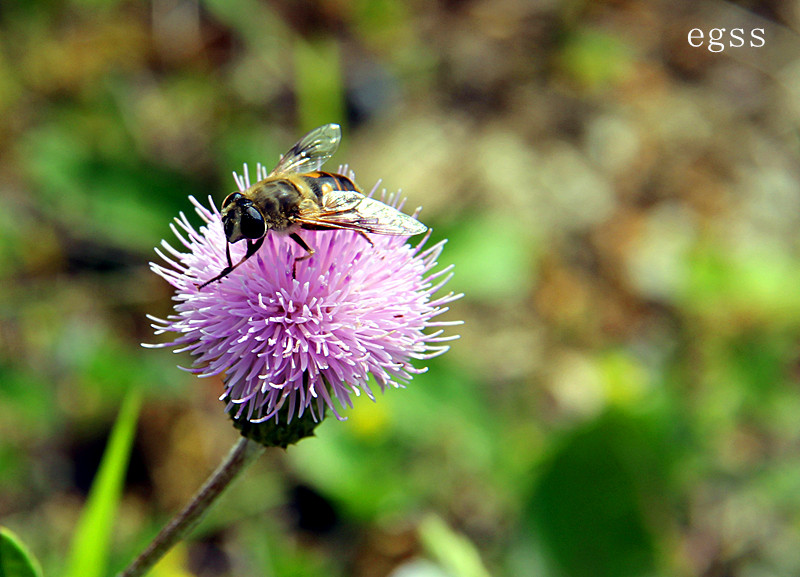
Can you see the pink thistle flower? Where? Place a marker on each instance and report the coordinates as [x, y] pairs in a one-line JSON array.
[[300, 343]]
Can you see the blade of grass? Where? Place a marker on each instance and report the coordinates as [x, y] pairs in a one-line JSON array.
[[90, 546], [15, 559], [318, 82]]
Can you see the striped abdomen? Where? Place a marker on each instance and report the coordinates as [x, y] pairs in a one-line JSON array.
[[321, 182]]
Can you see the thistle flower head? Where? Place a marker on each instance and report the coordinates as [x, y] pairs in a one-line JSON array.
[[308, 339]]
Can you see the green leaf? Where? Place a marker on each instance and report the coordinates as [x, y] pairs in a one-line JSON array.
[[90, 547], [454, 552], [15, 559], [492, 271], [598, 499]]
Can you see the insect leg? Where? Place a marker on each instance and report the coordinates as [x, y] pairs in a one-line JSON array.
[[309, 252], [366, 238], [228, 255], [252, 248]]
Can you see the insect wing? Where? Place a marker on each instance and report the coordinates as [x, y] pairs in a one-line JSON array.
[[380, 218], [336, 201], [352, 210], [311, 152]]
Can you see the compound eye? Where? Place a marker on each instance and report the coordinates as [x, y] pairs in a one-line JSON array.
[[231, 198], [252, 224], [229, 225]]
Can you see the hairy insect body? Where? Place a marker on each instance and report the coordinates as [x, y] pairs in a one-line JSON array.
[[282, 200], [279, 201]]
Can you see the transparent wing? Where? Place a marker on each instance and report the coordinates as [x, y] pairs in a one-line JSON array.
[[351, 210], [341, 200], [311, 152]]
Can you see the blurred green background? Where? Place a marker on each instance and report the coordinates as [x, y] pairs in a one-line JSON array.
[[622, 210]]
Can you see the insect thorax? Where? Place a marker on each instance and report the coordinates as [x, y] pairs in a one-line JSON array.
[[279, 201]]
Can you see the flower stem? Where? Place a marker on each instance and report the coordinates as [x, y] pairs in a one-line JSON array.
[[243, 453]]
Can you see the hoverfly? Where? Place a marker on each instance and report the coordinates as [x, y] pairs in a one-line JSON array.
[[297, 195]]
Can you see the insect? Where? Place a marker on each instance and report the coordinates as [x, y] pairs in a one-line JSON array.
[[297, 195]]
